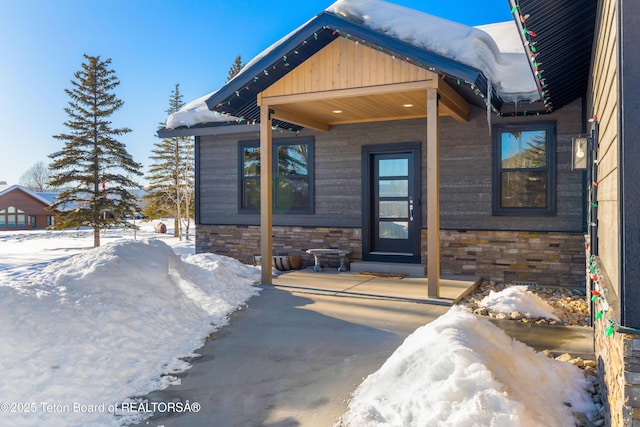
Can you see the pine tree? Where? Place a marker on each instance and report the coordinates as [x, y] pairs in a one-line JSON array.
[[171, 176], [91, 166], [235, 68]]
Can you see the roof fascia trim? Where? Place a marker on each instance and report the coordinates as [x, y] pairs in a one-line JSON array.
[[433, 61], [207, 130]]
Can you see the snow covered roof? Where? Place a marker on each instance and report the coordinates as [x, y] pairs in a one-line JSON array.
[[490, 58], [505, 64], [4, 189]]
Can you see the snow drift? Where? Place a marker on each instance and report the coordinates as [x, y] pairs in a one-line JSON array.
[[460, 370], [108, 324]]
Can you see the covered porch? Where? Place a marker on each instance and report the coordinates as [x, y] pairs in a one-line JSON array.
[[352, 284], [319, 96]]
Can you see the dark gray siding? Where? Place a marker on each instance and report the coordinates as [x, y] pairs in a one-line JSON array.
[[465, 174], [465, 168]]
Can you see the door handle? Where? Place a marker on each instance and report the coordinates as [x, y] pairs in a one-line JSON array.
[[410, 208]]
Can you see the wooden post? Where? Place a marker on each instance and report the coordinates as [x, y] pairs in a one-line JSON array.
[[433, 195], [266, 189]]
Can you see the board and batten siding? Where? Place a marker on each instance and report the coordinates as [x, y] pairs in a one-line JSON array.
[[465, 166], [605, 105], [344, 64]]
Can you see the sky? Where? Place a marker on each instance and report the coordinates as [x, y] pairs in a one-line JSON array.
[[153, 44]]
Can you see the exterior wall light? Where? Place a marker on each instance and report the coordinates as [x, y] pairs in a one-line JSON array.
[[579, 155]]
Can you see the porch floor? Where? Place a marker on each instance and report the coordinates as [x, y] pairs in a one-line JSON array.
[[349, 284]]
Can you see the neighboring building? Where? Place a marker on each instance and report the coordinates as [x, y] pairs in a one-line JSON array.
[[436, 150], [23, 209]]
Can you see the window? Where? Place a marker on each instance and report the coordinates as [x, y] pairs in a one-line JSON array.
[[292, 175], [524, 164], [12, 217]]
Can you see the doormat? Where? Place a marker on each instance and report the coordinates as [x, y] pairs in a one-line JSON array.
[[394, 276]]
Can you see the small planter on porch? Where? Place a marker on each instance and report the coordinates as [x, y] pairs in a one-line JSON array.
[[282, 262]]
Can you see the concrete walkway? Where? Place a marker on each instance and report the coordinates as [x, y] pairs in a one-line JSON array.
[[294, 356], [291, 359]]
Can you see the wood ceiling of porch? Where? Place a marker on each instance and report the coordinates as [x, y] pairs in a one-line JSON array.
[[348, 83]]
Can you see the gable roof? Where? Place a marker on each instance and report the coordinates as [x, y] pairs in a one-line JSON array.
[[5, 189], [563, 47], [236, 100], [558, 37], [236, 103]]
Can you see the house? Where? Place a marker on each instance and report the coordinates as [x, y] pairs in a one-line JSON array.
[[613, 198], [355, 131], [23, 209], [434, 149]]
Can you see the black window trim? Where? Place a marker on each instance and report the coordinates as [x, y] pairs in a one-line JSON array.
[[550, 209], [278, 142]]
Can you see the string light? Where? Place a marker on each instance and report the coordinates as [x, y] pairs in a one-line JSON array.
[[284, 63], [528, 34], [599, 291]]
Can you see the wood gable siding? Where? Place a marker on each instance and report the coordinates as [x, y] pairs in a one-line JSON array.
[[345, 64], [365, 84], [605, 105]]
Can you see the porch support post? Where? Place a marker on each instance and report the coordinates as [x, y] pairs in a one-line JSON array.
[[433, 195], [266, 186]]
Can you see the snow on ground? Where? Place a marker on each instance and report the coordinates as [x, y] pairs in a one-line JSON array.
[[461, 370], [86, 330], [83, 329], [518, 298]]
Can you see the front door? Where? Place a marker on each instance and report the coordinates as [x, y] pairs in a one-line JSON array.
[[391, 205]]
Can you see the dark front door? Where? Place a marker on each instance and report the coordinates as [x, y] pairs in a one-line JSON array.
[[391, 229]]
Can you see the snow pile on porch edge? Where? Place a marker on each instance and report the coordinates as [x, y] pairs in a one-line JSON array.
[[461, 370], [109, 324], [518, 298]]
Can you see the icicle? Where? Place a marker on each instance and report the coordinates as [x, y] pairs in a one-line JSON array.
[[489, 105]]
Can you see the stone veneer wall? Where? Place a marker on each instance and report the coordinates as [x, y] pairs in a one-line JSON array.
[[619, 373], [243, 241], [546, 258]]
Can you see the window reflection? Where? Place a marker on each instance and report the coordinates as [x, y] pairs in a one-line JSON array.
[[393, 209], [292, 175], [393, 188], [524, 149], [393, 167], [393, 230]]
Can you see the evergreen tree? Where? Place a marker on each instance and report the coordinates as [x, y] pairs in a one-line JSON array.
[[235, 68], [171, 176], [91, 165]]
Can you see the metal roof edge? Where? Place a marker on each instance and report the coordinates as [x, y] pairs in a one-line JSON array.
[[342, 26], [207, 130]]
